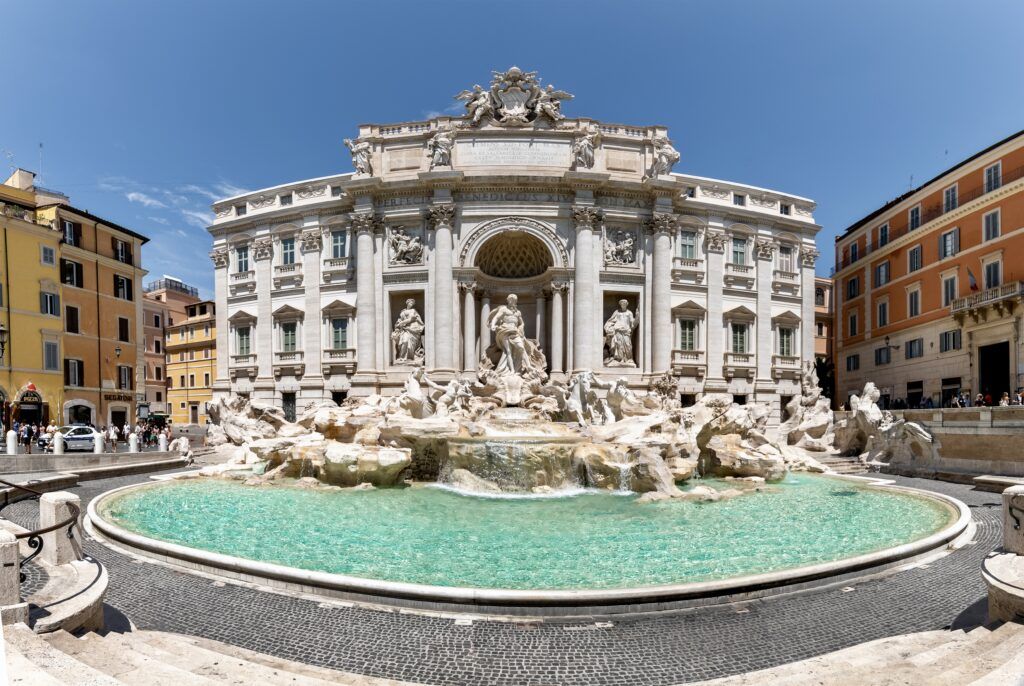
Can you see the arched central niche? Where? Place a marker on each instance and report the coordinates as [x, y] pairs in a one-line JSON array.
[[513, 254]]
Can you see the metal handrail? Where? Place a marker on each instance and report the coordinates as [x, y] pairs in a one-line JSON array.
[[35, 537]]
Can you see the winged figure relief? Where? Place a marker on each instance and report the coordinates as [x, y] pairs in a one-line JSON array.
[[479, 103], [548, 103]]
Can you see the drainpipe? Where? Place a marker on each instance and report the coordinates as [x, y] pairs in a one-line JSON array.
[[10, 333]]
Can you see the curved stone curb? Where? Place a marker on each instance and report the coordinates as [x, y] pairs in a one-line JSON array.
[[650, 598]]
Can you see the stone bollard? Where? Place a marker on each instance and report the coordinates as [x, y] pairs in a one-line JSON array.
[[162, 441], [97, 443], [12, 610], [12, 443], [58, 443], [1013, 506], [58, 549], [133, 442]]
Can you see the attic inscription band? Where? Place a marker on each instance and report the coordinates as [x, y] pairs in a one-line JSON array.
[[527, 153]]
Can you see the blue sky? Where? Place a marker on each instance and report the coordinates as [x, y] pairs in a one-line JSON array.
[[148, 111]]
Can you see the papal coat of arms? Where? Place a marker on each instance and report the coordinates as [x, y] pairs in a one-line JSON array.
[[516, 98]]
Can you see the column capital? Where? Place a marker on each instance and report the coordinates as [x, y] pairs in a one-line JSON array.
[[716, 241], [765, 249], [441, 215], [262, 249], [662, 222], [364, 221], [560, 287], [468, 287], [310, 240], [808, 256], [585, 216], [220, 258]]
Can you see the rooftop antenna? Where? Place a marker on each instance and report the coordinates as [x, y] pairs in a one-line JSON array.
[[911, 186]]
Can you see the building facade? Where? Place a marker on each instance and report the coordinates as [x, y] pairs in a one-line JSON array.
[[103, 338], [31, 379], [928, 287], [344, 284], [192, 362], [164, 303]]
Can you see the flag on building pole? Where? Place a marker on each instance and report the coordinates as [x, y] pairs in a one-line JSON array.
[[971, 280]]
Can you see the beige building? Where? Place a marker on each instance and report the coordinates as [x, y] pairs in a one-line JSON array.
[[192, 363], [165, 303]]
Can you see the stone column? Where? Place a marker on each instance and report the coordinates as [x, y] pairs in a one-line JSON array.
[[312, 383], [468, 327], [764, 253], [485, 312], [363, 224], [262, 252], [557, 334], [714, 381], [55, 507], [662, 226], [807, 325], [542, 305], [441, 217], [221, 260], [585, 288]]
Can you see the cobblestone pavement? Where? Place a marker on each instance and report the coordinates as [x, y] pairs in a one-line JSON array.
[[668, 649]]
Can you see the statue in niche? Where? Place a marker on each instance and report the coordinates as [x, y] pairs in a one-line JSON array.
[[583, 147], [407, 336], [618, 336], [620, 248], [506, 321], [405, 248], [665, 156], [439, 148], [360, 156]]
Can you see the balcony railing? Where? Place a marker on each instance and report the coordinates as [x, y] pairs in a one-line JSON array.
[[290, 357], [929, 214], [740, 359], [293, 268], [786, 361], [239, 277], [780, 275], [340, 355], [243, 360], [988, 296], [739, 268]]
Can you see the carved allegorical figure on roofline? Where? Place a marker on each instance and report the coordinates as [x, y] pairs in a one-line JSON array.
[[665, 156], [360, 156], [583, 147], [618, 337], [439, 147], [407, 336]]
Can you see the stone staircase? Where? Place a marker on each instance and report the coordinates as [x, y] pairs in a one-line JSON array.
[[153, 658], [984, 656], [844, 465]]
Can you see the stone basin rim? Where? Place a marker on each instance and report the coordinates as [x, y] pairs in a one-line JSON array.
[[476, 599]]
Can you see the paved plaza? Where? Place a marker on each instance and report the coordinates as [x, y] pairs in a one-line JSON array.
[[667, 649]]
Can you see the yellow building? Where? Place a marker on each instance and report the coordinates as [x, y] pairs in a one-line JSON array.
[[191, 347], [31, 373]]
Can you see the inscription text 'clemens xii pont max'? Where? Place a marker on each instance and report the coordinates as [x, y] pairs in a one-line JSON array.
[[504, 152]]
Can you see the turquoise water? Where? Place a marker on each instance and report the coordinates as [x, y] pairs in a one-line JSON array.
[[428, 535]]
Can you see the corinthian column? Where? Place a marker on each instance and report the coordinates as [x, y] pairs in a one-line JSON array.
[[585, 289], [468, 327], [557, 334], [661, 226], [366, 297], [440, 217]]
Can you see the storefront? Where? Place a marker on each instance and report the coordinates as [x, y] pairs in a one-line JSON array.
[[30, 407], [79, 411]]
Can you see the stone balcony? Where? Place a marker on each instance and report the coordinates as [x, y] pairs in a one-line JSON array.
[[287, 275], [787, 366], [689, 363], [290, 362], [242, 365], [339, 360], [687, 270], [336, 270], [739, 364], [740, 275], [1003, 299], [242, 282], [784, 282]]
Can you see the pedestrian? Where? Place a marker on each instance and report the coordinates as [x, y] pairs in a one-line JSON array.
[[1005, 400]]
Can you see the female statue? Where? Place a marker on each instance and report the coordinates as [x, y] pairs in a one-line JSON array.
[[407, 336], [618, 336]]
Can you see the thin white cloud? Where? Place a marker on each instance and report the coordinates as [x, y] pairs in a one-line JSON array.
[[227, 189], [199, 190], [143, 199], [159, 220], [198, 219]]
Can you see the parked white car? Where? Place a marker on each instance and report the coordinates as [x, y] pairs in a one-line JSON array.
[[75, 438]]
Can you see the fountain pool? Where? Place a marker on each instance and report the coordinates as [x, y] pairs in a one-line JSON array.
[[431, 536]]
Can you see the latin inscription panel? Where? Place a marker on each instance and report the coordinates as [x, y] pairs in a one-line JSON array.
[[526, 153]]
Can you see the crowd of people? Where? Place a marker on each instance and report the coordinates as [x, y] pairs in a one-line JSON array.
[[986, 400], [28, 434]]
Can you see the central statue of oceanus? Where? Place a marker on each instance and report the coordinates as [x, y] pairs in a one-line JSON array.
[[513, 367]]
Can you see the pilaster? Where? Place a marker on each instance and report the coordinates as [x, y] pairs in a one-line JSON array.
[[585, 289], [716, 333]]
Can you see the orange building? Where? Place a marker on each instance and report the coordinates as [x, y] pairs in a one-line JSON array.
[[929, 286], [164, 304], [101, 288]]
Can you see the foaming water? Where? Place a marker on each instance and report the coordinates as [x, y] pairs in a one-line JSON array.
[[535, 541]]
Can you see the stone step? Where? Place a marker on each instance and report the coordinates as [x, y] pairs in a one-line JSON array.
[[49, 659], [230, 669], [22, 672], [986, 655], [1009, 674], [112, 656]]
